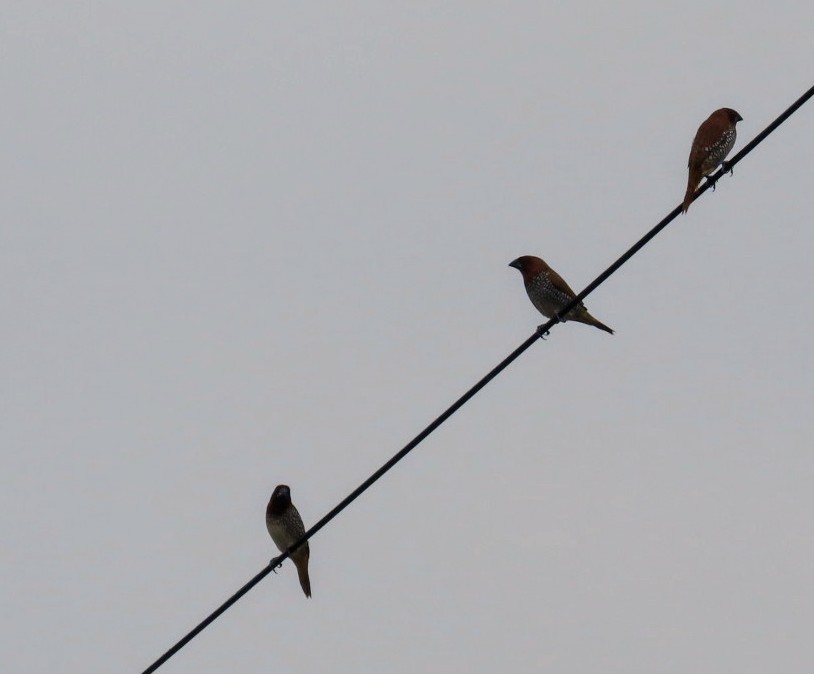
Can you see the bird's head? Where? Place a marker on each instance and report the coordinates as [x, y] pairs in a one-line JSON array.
[[280, 499], [529, 265], [733, 115]]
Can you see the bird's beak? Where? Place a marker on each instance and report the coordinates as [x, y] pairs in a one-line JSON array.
[[515, 264]]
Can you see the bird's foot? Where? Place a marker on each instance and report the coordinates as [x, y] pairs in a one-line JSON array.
[[726, 167], [275, 564], [543, 333]]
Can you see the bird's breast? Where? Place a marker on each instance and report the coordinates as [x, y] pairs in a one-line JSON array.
[[282, 534]]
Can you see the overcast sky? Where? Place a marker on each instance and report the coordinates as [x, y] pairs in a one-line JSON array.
[[252, 243]]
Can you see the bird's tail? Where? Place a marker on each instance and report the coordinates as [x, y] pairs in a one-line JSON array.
[[300, 559], [692, 182], [590, 320]]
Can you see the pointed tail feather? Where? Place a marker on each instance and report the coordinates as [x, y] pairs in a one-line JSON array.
[[301, 562], [692, 183], [590, 320], [581, 315]]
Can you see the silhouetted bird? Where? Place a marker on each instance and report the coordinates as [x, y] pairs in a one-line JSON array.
[[713, 141], [550, 293], [286, 528]]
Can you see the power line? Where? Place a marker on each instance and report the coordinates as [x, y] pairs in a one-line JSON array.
[[541, 331]]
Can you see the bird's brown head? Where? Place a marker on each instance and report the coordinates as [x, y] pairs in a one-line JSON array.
[[530, 266], [732, 115], [280, 500]]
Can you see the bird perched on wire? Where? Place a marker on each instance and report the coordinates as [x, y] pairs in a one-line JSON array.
[[713, 141], [285, 528], [550, 293]]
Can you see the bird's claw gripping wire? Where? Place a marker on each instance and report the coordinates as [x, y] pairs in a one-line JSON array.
[[275, 564], [545, 333], [726, 167]]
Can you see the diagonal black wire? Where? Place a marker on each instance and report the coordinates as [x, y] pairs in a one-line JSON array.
[[540, 332]]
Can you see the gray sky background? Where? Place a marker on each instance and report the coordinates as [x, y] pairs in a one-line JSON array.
[[249, 243]]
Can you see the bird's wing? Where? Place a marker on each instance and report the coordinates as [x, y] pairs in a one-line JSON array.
[[560, 285]]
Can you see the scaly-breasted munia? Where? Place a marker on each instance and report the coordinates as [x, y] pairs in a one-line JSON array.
[[550, 293], [286, 528], [713, 141]]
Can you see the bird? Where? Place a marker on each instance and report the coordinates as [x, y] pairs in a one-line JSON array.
[[713, 141], [549, 293], [285, 527]]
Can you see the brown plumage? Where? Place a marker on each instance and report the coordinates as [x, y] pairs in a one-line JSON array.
[[285, 527], [713, 141], [550, 293]]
